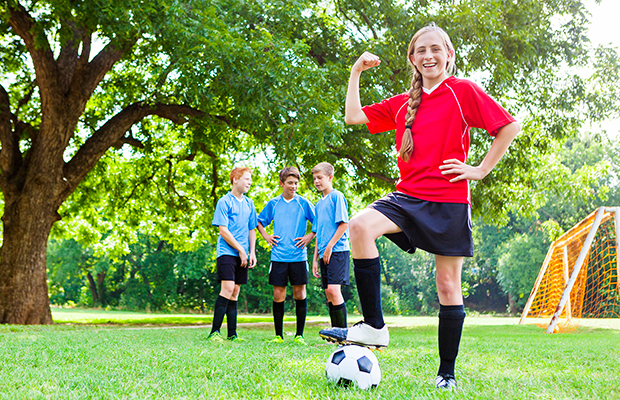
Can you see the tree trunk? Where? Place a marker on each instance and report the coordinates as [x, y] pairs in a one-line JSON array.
[[93, 288], [27, 223], [101, 288], [512, 305]]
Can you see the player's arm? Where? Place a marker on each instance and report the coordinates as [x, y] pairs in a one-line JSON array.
[[252, 237], [327, 254], [271, 239], [315, 261], [230, 239], [353, 113], [502, 140]]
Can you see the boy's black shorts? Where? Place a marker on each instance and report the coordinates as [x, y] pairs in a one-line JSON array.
[[438, 228], [280, 273], [229, 269], [337, 272]]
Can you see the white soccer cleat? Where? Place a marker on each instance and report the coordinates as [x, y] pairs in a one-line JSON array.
[[445, 382], [361, 334]]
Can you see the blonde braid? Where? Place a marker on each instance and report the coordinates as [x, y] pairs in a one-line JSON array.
[[415, 95]]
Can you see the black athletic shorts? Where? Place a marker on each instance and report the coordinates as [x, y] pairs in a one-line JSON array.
[[337, 272], [229, 269], [438, 228], [280, 273]]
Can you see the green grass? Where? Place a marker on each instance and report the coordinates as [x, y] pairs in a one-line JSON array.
[[99, 317], [107, 362]]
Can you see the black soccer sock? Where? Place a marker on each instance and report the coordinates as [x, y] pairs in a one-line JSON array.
[[278, 318], [451, 320], [218, 313], [331, 312], [340, 316], [368, 280], [231, 318], [301, 309]]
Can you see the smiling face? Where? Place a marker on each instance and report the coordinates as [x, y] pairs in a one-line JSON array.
[[242, 185], [289, 187], [431, 57]]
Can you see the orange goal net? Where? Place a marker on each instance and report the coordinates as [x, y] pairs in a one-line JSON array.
[[579, 277]]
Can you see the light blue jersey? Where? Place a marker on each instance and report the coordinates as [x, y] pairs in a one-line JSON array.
[[331, 210], [239, 216], [289, 222]]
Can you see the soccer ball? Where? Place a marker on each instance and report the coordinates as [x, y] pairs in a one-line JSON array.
[[352, 364]]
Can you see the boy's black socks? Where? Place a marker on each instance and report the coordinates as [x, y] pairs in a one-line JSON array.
[[221, 304], [340, 316], [368, 279], [331, 312], [278, 318], [301, 309], [451, 320], [231, 318]]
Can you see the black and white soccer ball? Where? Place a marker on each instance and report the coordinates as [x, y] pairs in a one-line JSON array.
[[351, 364]]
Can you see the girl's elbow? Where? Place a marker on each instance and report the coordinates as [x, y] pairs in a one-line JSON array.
[[355, 119]]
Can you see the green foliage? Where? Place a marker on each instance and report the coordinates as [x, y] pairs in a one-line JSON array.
[[409, 280], [518, 265], [509, 257], [152, 275]]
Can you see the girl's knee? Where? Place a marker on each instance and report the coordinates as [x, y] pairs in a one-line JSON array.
[[358, 228]]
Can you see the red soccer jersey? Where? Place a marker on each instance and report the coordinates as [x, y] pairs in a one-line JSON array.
[[440, 132]]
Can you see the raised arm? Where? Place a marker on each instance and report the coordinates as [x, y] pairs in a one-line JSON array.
[[353, 114]]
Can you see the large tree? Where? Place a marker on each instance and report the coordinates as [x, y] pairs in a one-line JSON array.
[[39, 122]]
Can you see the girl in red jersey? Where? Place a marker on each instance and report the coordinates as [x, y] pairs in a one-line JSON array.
[[431, 208]]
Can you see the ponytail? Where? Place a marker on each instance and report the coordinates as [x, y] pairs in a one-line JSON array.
[[415, 94]]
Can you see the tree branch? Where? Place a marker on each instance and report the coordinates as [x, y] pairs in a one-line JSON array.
[[86, 47], [130, 140], [369, 24], [100, 66], [133, 191], [111, 132], [358, 165], [214, 177], [39, 49], [68, 57], [346, 16], [10, 156]]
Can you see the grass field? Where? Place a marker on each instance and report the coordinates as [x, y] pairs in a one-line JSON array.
[[125, 361]]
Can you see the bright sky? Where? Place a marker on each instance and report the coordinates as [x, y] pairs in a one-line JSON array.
[[604, 30]]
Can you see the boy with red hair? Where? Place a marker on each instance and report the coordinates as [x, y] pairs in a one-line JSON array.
[[235, 217]]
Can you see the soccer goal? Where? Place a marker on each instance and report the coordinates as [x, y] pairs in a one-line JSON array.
[[579, 277]]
